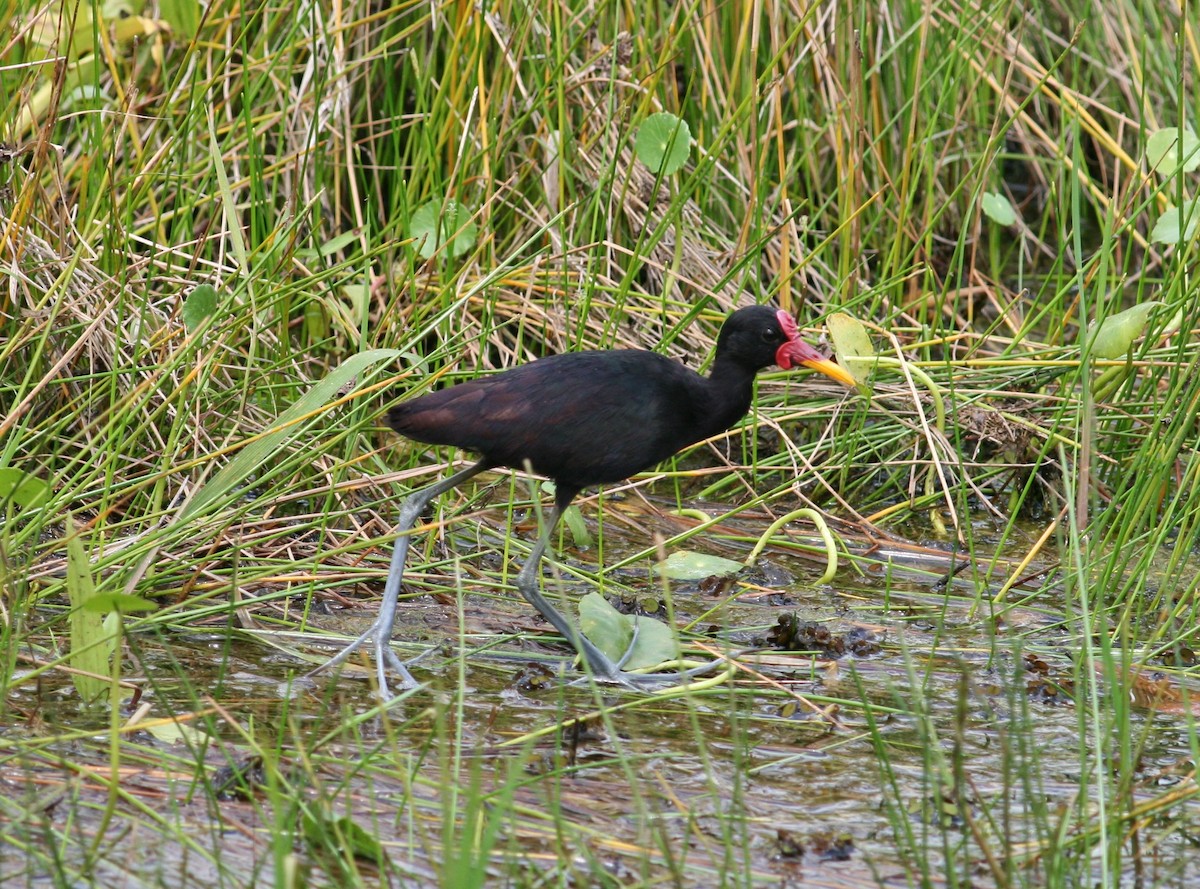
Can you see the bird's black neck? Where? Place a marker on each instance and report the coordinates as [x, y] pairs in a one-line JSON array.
[[730, 387]]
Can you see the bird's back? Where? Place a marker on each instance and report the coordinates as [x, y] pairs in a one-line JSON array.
[[581, 418]]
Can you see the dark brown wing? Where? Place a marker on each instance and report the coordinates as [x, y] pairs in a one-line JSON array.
[[581, 418]]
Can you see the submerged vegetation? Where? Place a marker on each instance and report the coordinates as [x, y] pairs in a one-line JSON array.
[[231, 235]]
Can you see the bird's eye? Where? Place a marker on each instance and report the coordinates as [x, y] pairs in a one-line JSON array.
[[770, 335]]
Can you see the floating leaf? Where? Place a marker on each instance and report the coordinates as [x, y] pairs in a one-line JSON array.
[[997, 208], [1163, 151], [436, 223], [663, 143], [608, 629], [1177, 224], [1116, 333], [688, 566], [613, 633], [199, 306], [851, 344], [27, 491], [653, 645]]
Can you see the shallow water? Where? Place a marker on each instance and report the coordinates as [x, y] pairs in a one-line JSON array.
[[946, 749]]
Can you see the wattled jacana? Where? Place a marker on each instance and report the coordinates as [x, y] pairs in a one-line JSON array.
[[582, 419]]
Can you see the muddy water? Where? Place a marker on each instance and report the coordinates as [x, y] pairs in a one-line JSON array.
[[922, 736]]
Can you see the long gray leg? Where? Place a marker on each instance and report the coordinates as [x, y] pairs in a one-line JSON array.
[[602, 667], [380, 632], [527, 582]]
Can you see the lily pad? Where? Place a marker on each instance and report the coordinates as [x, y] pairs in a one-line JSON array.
[[436, 223], [1163, 150], [655, 643], [1177, 224], [613, 632], [997, 208], [608, 629], [663, 143], [686, 565]]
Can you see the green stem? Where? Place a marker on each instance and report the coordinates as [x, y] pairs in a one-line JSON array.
[[826, 535], [939, 406]]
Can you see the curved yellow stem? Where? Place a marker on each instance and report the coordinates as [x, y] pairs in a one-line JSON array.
[[826, 535]]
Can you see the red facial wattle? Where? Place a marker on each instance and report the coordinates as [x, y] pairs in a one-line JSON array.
[[796, 352]]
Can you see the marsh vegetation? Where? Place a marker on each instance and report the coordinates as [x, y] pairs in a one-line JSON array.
[[231, 235]]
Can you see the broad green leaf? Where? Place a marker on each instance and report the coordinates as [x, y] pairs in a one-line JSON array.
[[435, 223], [997, 208], [90, 645], [134, 27], [1116, 333], [316, 325], [608, 629], [27, 491], [1177, 224], [199, 306], [291, 423], [663, 143], [654, 643], [613, 632], [851, 344], [573, 519], [333, 246], [1163, 150], [686, 565]]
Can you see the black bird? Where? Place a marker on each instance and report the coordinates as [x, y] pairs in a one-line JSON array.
[[583, 419]]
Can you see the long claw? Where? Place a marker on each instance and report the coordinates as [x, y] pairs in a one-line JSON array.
[[377, 636]]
